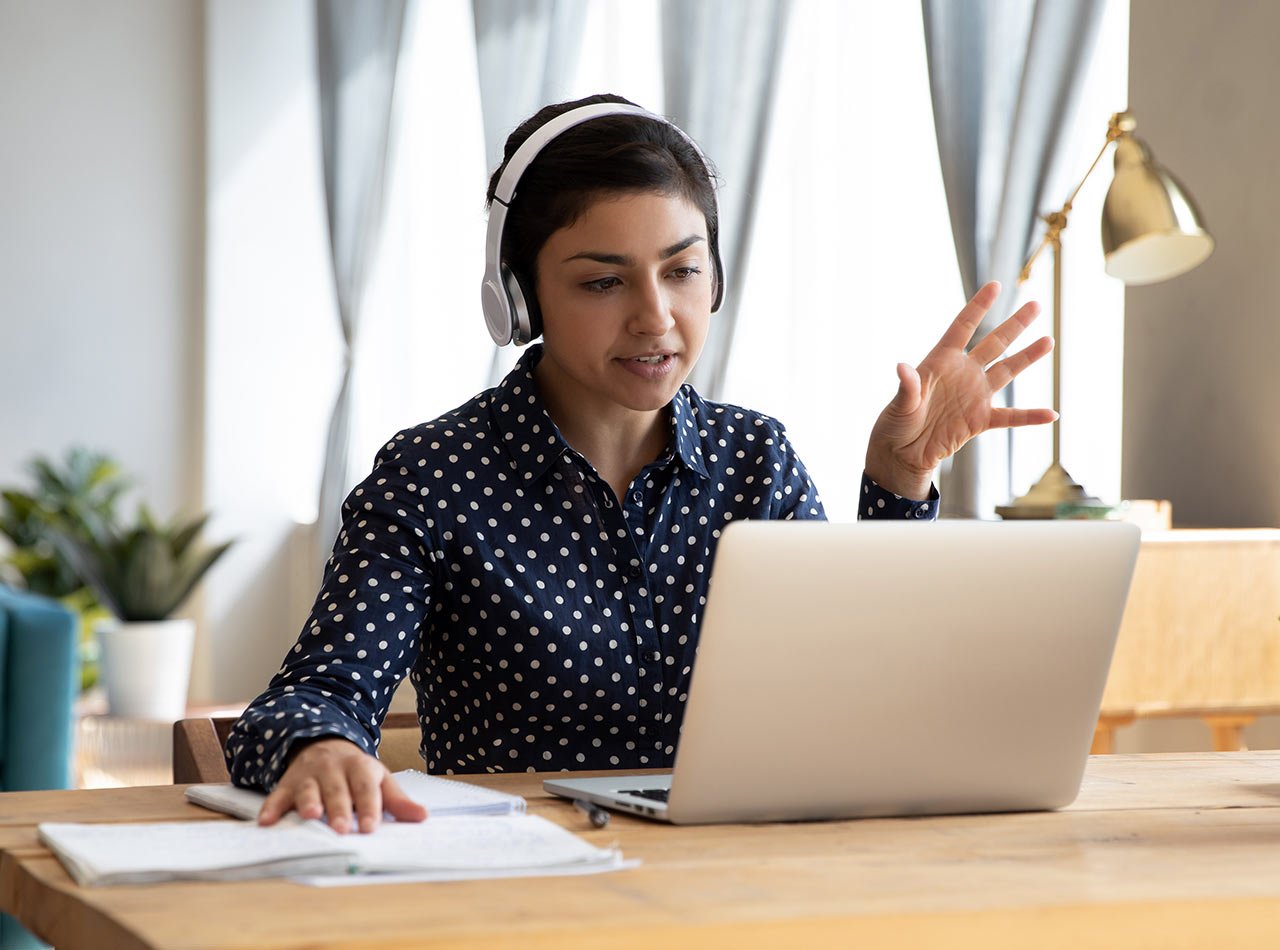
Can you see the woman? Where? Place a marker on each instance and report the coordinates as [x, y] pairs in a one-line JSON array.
[[536, 561]]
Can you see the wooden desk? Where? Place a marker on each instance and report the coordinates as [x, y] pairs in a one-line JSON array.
[[1171, 851]]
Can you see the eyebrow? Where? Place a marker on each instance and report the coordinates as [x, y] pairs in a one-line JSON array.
[[624, 260]]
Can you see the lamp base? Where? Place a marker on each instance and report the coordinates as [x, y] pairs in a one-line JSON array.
[[1042, 500]]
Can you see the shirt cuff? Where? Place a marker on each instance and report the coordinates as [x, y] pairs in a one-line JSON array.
[[877, 504]]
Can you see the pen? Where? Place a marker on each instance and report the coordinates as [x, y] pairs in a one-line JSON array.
[[599, 816]]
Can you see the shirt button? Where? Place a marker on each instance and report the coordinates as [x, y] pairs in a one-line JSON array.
[[635, 570], [637, 497], [654, 655]]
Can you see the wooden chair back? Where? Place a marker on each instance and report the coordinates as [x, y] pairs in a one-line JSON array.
[[198, 745]]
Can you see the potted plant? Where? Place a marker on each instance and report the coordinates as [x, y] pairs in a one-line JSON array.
[[84, 488], [141, 574]]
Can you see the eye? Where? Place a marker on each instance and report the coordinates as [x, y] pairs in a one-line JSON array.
[[601, 286], [686, 273]]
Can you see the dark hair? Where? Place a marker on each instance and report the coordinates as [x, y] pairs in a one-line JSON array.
[[608, 155]]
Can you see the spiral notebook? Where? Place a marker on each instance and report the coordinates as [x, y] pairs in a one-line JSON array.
[[442, 797]]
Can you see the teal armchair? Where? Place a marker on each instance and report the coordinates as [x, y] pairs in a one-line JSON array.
[[37, 691], [38, 681]]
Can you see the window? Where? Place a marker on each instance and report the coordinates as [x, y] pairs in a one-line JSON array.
[[852, 268], [852, 264]]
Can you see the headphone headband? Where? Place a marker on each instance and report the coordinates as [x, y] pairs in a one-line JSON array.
[[540, 136], [507, 312]]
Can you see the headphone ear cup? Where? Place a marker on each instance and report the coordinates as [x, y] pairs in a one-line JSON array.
[[526, 321], [718, 272]]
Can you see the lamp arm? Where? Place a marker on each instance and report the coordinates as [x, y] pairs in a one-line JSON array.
[[1119, 126]]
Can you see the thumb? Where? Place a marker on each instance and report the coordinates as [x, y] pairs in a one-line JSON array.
[[399, 805], [907, 398]]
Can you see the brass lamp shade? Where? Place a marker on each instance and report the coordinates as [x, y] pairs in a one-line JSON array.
[[1150, 229]]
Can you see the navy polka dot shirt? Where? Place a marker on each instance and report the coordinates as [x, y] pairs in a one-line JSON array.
[[545, 623]]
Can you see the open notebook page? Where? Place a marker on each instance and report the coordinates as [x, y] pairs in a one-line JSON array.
[[193, 850], [461, 846]]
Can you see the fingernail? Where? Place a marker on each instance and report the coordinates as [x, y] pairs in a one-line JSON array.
[[366, 824]]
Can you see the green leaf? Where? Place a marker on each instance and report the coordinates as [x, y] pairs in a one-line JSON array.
[[67, 537], [140, 573], [69, 497], [183, 536]]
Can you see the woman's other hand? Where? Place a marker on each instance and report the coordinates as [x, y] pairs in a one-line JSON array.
[[335, 778]]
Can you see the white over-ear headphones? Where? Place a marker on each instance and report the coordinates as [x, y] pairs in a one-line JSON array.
[[507, 310]]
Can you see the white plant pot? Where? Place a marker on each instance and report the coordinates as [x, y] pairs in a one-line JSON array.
[[146, 667]]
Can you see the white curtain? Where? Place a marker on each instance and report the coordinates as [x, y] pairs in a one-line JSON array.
[[526, 55], [357, 51], [720, 71], [526, 52], [1003, 76]]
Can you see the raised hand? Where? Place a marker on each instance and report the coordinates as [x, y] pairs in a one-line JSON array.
[[946, 400]]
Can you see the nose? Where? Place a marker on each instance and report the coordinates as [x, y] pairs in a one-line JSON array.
[[651, 313]]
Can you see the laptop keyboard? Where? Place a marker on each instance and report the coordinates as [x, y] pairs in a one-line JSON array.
[[653, 794]]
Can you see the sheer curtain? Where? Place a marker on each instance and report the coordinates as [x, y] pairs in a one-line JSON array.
[[720, 70], [853, 266], [526, 55], [358, 48], [1003, 75]]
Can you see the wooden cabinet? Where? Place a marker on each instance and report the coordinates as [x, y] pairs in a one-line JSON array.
[[1200, 635]]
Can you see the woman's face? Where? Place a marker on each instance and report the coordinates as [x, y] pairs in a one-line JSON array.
[[625, 294]]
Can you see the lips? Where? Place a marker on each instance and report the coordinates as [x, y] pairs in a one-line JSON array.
[[651, 366], [649, 358]]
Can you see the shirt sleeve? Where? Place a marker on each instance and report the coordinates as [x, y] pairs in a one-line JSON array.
[[877, 504], [796, 497], [363, 634]]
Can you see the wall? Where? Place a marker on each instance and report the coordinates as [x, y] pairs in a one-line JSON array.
[[101, 224], [114, 146], [1201, 350]]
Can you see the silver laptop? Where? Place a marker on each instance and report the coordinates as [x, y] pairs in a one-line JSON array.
[[873, 669]]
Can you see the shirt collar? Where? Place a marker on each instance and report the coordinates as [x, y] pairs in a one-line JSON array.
[[685, 430], [533, 441]]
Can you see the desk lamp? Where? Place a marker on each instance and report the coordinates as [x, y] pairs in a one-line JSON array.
[[1150, 232]]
